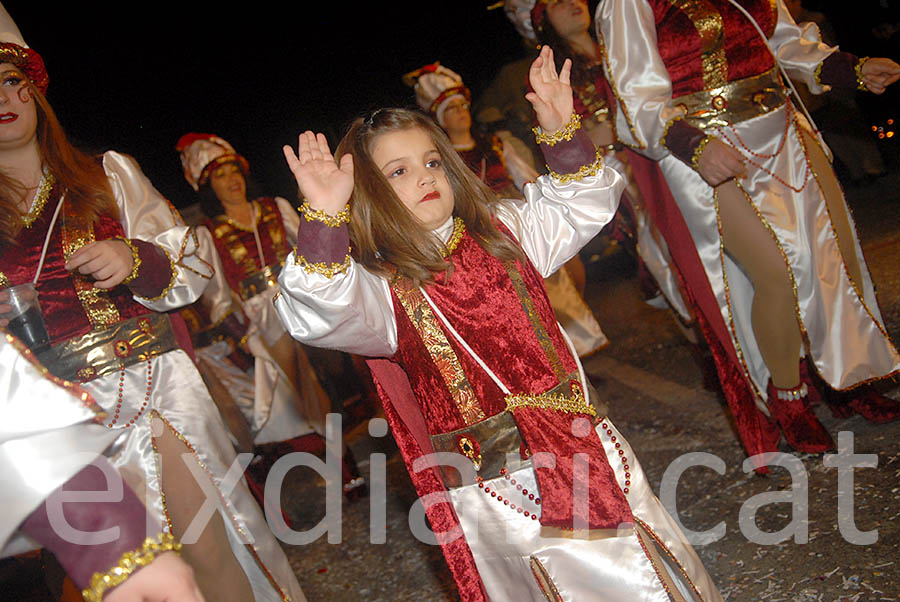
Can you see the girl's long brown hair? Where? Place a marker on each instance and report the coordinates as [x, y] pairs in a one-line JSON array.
[[79, 176], [383, 231]]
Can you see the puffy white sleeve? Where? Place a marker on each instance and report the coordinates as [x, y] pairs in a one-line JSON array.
[[147, 216], [800, 49], [217, 297], [351, 310], [556, 219], [637, 74]]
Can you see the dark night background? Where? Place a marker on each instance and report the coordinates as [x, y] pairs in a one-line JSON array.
[[136, 76]]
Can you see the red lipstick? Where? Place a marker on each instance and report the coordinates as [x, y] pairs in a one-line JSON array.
[[8, 117], [430, 196]]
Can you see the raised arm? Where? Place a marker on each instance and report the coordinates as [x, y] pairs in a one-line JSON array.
[[567, 208], [327, 299]]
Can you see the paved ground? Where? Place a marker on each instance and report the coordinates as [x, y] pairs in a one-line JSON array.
[[654, 388]]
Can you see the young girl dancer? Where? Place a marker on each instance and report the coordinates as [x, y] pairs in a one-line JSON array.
[[445, 284]]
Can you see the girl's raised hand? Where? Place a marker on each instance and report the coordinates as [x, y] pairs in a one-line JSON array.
[[325, 184], [552, 96]]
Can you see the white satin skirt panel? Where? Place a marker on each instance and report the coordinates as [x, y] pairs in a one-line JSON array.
[[845, 329], [179, 397], [573, 314], [509, 547], [265, 397]]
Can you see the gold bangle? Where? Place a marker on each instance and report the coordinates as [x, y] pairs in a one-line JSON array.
[[566, 133], [584, 172], [698, 152], [860, 84], [320, 267], [135, 260], [128, 564], [332, 221]]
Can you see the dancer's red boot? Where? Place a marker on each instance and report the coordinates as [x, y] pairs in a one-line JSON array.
[[803, 431]]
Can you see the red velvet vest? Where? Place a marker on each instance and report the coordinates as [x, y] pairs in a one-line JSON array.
[[707, 43], [70, 304], [481, 303], [236, 244]]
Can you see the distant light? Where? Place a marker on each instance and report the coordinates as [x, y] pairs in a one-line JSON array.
[[881, 136], [890, 134], [874, 128], [890, 122]]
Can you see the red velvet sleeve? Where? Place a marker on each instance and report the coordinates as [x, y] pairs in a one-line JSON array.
[[319, 242], [839, 70], [82, 561], [155, 272], [682, 140], [568, 156]]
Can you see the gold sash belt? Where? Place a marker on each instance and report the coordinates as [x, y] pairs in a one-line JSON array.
[[107, 350], [733, 102], [260, 281], [495, 443]]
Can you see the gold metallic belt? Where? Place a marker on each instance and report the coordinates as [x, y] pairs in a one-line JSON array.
[[734, 102], [495, 443], [260, 281], [107, 350]]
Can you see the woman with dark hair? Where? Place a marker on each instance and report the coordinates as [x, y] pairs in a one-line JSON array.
[[775, 253], [108, 256], [282, 399], [486, 399]]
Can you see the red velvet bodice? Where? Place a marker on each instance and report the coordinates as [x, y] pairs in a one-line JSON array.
[[237, 246], [480, 302], [64, 314], [689, 31]]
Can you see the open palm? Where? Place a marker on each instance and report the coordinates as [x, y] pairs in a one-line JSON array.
[[552, 96], [324, 183]]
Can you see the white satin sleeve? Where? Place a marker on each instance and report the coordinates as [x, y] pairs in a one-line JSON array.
[[799, 49], [637, 73], [555, 220], [352, 311], [217, 296], [47, 434], [290, 218], [146, 215]]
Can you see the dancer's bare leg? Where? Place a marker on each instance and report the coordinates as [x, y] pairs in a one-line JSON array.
[[217, 571], [773, 313]]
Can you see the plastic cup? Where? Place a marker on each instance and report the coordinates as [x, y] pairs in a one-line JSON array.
[[25, 319]]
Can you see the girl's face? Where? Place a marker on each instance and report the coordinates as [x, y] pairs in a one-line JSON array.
[[410, 161], [228, 183], [568, 17], [457, 117], [18, 115]]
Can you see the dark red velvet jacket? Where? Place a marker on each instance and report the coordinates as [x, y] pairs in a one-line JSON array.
[[230, 240]]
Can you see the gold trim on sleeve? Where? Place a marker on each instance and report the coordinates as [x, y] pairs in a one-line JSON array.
[[585, 171], [135, 260], [698, 152], [860, 84], [320, 267], [566, 133], [317, 215], [128, 564]]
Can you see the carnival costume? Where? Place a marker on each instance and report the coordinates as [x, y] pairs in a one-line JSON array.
[[684, 71], [439, 397], [505, 171]]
